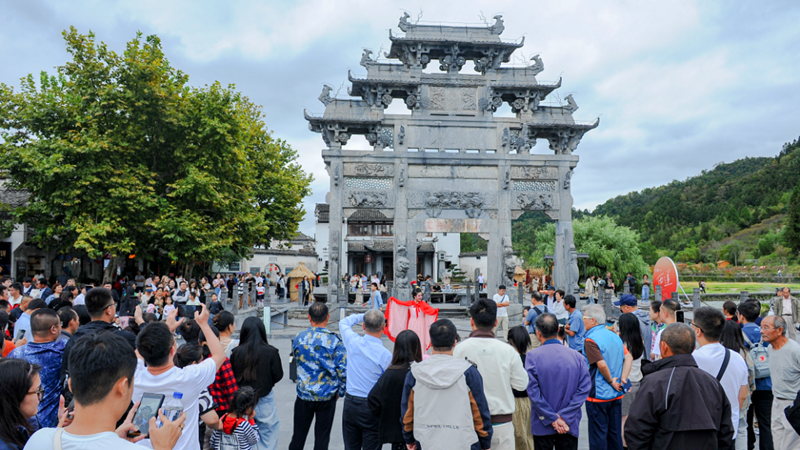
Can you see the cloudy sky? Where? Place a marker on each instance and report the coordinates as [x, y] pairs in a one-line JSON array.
[[678, 85]]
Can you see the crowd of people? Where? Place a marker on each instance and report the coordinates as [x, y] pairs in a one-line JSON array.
[[644, 380]]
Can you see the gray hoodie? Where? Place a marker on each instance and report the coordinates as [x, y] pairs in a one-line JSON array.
[[444, 405], [644, 327]]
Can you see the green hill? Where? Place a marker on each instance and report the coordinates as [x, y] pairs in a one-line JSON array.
[[733, 211]]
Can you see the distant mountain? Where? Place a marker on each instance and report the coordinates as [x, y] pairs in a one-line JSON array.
[[713, 206]]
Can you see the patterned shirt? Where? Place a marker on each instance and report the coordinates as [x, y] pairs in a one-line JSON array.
[[321, 364], [224, 387], [49, 356]]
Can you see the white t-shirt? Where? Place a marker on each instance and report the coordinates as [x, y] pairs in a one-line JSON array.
[[657, 349], [43, 440], [558, 309], [189, 381], [709, 358], [501, 312], [80, 299]]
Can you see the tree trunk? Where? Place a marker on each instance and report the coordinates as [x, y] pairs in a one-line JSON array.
[[110, 271], [187, 270]]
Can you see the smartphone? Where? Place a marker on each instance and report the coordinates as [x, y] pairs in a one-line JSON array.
[[148, 408], [679, 316], [71, 409], [20, 335]]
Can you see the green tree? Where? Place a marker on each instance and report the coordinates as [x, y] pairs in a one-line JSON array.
[[122, 156], [611, 247], [792, 232]]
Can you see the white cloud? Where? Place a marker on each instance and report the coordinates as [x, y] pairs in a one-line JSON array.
[[678, 85]]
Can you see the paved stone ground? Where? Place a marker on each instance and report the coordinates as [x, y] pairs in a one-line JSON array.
[[285, 390]]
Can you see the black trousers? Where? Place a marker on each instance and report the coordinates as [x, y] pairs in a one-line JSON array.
[[555, 442], [359, 426], [761, 408], [304, 412]]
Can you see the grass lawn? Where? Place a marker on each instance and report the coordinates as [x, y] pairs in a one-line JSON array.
[[713, 287]]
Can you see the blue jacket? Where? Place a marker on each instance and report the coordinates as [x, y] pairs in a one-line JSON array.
[[49, 356], [613, 351], [321, 364]]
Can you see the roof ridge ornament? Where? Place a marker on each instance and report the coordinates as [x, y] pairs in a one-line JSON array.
[[325, 96], [404, 24], [366, 59], [538, 66], [497, 27]]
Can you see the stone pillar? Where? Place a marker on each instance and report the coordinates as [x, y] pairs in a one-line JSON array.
[[500, 246], [336, 234], [565, 256], [405, 245], [695, 298], [743, 296], [658, 293]]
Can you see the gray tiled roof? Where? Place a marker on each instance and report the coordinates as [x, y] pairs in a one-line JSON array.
[[384, 245], [368, 215], [322, 212]]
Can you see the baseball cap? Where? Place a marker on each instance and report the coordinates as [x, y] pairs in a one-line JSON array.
[[626, 300]]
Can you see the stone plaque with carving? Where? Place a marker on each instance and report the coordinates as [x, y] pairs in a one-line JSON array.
[[437, 97], [534, 173], [369, 170], [535, 201], [368, 199], [468, 102]]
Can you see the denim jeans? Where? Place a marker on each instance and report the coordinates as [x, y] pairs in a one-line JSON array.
[[268, 424], [645, 292]]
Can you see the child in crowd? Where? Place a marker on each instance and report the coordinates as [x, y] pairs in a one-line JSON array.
[[192, 305], [239, 429], [260, 290], [169, 307]]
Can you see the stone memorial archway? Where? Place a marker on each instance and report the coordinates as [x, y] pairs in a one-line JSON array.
[[451, 165]]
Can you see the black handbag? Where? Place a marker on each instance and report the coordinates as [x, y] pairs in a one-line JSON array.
[[793, 414]]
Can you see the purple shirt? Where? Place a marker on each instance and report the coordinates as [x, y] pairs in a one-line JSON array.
[[558, 385]]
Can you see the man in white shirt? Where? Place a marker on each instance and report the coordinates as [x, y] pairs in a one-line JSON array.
[[156, 346], [500, 366], [103, 366], [711, 357], [666, 316], [502, 301], [15, 294]]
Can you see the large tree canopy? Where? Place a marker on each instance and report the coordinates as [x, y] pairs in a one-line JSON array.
[[121, 155], [611, 247]]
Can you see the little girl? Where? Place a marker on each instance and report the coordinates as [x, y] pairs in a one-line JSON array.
[[260, 294], [169, 308], [239, 429]]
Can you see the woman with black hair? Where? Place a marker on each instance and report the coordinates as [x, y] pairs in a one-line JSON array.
[[225, 323], [633, 342], [258, 365], [385, 397], [83, 314], [519, 338], [20, 393]]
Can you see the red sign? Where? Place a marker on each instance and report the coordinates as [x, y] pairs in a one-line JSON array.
[[665, 275]]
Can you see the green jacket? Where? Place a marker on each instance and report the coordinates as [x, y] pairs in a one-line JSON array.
[[777, 307]]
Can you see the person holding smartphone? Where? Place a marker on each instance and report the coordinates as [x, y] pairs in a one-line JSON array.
[[102, 366]]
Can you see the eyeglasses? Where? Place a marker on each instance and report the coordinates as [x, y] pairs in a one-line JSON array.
[[39, 392], [765, 328]]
